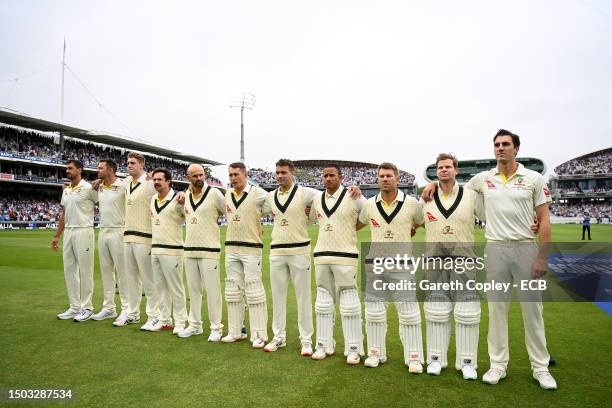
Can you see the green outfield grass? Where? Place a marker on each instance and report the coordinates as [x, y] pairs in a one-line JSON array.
[[123, 367]]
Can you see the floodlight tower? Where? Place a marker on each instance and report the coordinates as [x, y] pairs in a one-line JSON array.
[[246, 101]]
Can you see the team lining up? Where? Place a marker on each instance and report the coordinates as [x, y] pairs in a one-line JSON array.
[[141, 223]]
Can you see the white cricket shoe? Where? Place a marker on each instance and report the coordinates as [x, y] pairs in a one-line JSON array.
[[434, 368], [84, 315], [156, 326], [178, 328], [306, 350], [148, 324], [215, 336], [469, 372], [353, 356], [124, 319], [545, 379], [319, 353], [258, 343], [190, 331], [493, 375], [274, 345], [373, 359], [415, 367], [230, 338], [68, 314], [104, 314]]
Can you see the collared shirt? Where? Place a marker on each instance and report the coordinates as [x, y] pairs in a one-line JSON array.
[[390, 206], [112, 204], [510, 204], [78, 203]]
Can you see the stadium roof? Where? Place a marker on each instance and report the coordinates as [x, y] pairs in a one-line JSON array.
[[23, 120]]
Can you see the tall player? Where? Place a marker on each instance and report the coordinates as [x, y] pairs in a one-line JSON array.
[[243, 248], [392, 215], [336, 260], [111, 195], [167, 217], [76, 223], [513, 195], [137, 239], [449, 231], [203, 205], [290, 255]]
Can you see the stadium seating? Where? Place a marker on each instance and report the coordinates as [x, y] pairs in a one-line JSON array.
[[311, 175], [42, 148], [598, 163], [596, 210]]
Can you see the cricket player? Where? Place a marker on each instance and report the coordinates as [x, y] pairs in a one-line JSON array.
[[111, 195], [392, 215], [137, 240], [76, 223], [203, 206], [290, 255], [513, 195], [167, 217], [449, 232], [243, 248], [336, 262]]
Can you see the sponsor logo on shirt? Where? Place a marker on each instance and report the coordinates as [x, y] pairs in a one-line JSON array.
[[374, 223], [490, 185], [229, 210], [546, 191], [430, 217]]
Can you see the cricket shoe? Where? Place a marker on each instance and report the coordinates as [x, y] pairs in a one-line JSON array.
[[156, 326], [319, 353], [373, 359], [178, 328], [415, 367], [84, 315], [274, 345], [434, 368], [545, 379], [124, 319], [230, 338], [306, 350], [104, 314], [258, 343], [147, 326], [68, 314], [190, 331], [353, 357], [493, 375], [469, 372], [215, 336]]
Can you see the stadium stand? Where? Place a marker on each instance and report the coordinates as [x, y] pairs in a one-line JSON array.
[[599, 162], [597, 210], [583, 184], [32, 165], [37, 147], [309, 172]]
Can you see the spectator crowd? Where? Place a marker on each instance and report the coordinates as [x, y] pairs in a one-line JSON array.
[[39, 147], [596, 210], [311, 176], [29, 209], [596, 164]]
